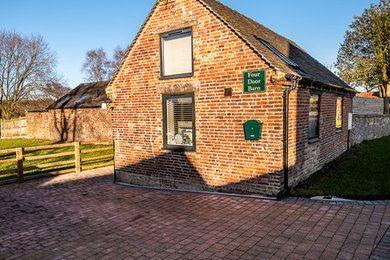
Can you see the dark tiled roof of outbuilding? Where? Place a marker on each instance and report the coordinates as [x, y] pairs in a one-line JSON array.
[[248, 29], [86, 95]]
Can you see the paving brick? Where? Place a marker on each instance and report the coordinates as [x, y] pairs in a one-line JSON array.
[[86, 216], [382, 251]]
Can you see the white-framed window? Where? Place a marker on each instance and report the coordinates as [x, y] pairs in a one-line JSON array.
[[179, 121], [176, 54]]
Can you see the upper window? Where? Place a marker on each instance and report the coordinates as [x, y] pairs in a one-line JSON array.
[[179, 122], [339, 113], [314, 117], [176, 54]]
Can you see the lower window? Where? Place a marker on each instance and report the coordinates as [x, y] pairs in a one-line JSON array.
[[179, 122]]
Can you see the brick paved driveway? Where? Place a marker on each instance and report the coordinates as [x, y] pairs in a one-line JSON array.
[[86, 216]]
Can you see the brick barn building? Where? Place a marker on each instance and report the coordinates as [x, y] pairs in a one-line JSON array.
[[82, 114], [208, 99]]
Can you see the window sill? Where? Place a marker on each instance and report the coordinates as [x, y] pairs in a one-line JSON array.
[[314, 140], [187, 75], [180, 149], [339, 130]]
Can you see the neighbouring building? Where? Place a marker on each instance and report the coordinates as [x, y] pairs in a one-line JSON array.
[[83, 114], [208, 99]]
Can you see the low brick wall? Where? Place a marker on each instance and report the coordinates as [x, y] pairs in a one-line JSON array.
[[38, 124], [368, 127], [83, 124], [364, 105]]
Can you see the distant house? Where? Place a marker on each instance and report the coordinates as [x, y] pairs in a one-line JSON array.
[[208, 99], [83, 114], [368, 94]]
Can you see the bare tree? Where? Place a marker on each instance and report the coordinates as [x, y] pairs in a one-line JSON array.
[[53, 88], [96, 66], [25, 63], [118, 55]]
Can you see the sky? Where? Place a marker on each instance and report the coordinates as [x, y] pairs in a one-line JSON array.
[[72, 27]]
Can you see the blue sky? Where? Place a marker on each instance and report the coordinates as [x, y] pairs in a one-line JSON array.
[[73, 27]]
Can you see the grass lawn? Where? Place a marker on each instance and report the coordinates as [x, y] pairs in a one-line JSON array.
[[361, 173], [8, 144]]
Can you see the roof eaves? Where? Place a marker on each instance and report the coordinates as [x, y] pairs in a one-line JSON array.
[[73, 107], [349, 89]]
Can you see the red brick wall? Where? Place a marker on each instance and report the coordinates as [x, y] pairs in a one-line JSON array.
[[224, 160], [38, 125], [306, 158], [83, 124]]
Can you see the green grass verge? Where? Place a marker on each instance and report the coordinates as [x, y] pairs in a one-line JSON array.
[[361, 173], [8, 144], [14, 143]]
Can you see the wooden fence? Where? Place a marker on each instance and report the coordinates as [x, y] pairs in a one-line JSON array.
[[20, 158], [14, 128]]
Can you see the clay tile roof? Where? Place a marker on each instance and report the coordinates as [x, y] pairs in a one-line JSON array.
[[86, 95], [368, 94], [254, 34]]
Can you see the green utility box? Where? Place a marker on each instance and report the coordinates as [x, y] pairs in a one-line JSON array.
[[252, 129]]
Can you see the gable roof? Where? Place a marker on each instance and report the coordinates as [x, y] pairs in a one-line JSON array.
[[86, 95], [279, 52], [257, 36]]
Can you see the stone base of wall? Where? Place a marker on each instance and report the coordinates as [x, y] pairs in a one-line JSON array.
[[244, 187], [368, 127]]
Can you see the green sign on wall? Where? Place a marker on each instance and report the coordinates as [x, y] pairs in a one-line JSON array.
[[254, 81]]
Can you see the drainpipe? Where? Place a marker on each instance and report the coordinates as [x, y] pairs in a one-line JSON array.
[[113, 144], [286, 111]]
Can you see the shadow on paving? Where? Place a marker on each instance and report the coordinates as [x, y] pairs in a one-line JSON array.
[[87, 216]]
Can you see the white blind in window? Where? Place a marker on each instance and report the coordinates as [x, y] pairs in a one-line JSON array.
[[177, 54], [179, 122]]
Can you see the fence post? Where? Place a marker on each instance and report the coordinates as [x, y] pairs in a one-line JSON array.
[[77, 156], [19, 158]]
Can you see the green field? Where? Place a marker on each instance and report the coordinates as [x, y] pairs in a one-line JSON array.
[[361, 173], [9, 144]]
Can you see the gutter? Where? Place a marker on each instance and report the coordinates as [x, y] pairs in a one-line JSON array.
[[286, 111]]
